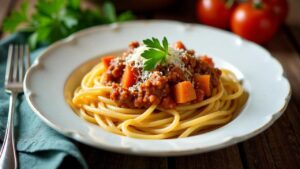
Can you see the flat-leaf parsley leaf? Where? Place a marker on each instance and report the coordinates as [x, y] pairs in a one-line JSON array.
[[156, 54]]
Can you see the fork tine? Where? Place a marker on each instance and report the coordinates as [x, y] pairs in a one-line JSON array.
[[15, 62], [9, 63], [21, 62], [27, 57]]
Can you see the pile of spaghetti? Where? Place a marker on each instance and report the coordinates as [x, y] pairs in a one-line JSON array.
[[158, 91]]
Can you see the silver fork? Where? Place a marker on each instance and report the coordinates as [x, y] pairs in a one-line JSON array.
[[18, 62]]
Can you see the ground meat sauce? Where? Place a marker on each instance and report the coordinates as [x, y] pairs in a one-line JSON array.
[[114, 71], [157, 88]]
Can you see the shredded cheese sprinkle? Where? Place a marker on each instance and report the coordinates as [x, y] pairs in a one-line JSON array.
[[135, 58], [137, 61]]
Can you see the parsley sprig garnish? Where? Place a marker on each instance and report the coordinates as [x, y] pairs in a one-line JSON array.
[[156, 54]]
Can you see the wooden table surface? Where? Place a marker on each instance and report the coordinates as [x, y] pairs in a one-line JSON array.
[[277, 147]]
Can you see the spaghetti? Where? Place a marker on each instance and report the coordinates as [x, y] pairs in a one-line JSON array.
[[94, 103]]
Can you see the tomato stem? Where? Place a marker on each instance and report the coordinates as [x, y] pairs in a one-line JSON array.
[[257, 4], [229, 3]]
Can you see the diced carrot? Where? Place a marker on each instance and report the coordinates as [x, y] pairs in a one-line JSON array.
[[179, 45], [184, 92], [106, 60], [129, 77], [208, 60], [203, 81]]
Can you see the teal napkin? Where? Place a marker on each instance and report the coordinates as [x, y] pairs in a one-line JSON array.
[[38, 146]]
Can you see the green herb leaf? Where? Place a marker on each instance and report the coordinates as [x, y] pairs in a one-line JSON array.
[[33, 38], [53, 20], [42, 33], [166, 44], [74, 4], [109, 11], [156, 53], [70, 21], [16, 18], [50, 8], [41, 21], [125, 16]]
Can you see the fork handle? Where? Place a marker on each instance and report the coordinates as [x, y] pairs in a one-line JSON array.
[[8, 158]]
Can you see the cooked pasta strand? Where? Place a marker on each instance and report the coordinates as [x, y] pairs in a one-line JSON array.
[[93, 104]]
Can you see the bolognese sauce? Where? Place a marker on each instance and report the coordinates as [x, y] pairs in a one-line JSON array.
[[144, 88]]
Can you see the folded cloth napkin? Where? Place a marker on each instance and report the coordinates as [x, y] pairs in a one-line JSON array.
[[38, 145]]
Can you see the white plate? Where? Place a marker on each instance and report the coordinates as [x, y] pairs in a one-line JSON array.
[[262, 77]]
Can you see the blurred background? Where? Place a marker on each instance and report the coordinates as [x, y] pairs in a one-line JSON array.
[[277, 147], [157, 8], [196, 11]]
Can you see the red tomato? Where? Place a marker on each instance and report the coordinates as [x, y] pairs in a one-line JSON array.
[[280, 8], [214, 13], [256, 24]]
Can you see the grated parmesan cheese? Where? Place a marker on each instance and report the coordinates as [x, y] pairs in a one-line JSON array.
[[143, 77], [137, 61], [174, 58]]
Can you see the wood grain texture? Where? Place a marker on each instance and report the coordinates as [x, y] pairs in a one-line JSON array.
[[178, 11], [293, 15], [296, 31], [293, 22], [278, 147], [228, 158], [293, 33], [99, 159]]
